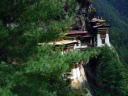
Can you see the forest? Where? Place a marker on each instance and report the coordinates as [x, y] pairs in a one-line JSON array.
[[27, 69]]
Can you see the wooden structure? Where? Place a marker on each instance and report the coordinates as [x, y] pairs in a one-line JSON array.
[[83, 38]]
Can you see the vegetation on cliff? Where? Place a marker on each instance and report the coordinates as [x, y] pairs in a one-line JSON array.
[[111, 75], [30, 70], [41, 74]]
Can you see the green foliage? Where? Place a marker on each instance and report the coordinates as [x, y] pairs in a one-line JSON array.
[[41, 74], [25, 23], [111, 75]]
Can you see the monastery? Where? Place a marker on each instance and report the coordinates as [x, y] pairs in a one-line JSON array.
[[87, 31]]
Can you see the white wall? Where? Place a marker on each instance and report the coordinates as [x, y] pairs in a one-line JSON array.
[[107, 41], [99, 40]]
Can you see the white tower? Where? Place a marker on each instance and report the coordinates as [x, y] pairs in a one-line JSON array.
[[103, 37], [107, 41], [99, 40]]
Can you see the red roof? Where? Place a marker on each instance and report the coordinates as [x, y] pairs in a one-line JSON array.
[[87, 36], [76, 33]]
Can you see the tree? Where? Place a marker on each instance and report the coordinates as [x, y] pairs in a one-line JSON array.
[[25, 23], [37, 70], [111, 74]]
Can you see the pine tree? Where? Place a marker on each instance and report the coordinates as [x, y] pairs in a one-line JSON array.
[[25, 23], [111, 74]]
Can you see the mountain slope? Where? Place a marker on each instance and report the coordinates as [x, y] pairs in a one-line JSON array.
[[109, 10], [121, 6]]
